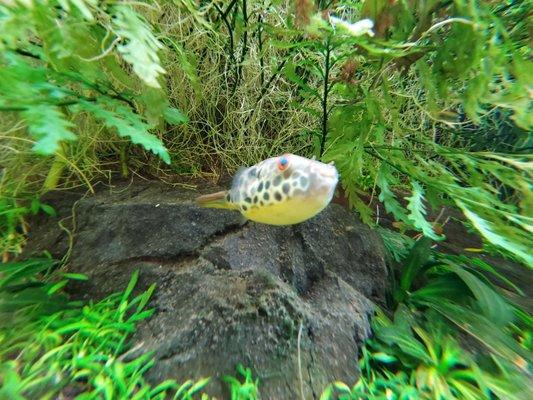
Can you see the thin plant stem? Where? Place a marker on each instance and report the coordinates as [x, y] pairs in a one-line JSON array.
[[327, 88], [244, 46]]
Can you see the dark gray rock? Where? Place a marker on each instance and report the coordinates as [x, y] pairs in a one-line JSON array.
[[231, 291]]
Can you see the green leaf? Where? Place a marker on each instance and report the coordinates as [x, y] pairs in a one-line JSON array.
[[405, 340], [168, 384], [500, 235], [82, 5], [17, 272], [131, 285], [127, 124], [58, 286], [35, 205], [445, 287], [416, 260], [138, 46], [327, 393], [387, 196], [418, 211], [398, 245], [384, 357], [145, 297], [290, 73], [182, 390], [47, 124], [481, 328], [199, 385], [11, 382], [174, 116], [48, 210], [491, 303], [79, 277]]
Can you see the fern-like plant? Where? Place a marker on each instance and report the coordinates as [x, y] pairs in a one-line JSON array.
[[393, 83], [60, 59]]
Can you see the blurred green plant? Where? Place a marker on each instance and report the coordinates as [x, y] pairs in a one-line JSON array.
[[13, 225], [60, 59], [51, 346], [484, 353], [247, 390]]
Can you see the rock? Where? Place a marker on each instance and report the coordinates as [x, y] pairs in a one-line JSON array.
[[284, 301]]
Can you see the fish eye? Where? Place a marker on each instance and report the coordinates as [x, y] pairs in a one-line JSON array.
[[283, 163]]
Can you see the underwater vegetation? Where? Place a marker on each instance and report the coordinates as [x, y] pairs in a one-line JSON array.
[[421, 105]]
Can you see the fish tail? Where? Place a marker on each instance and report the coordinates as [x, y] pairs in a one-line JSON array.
[[215, 200]]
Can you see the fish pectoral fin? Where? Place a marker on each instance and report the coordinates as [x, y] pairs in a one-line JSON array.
[[215, 200]]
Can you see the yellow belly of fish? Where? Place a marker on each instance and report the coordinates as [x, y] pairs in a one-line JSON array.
[[288, 212]]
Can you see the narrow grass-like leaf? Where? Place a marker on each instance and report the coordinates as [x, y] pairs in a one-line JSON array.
[[131, 284], [490, 302], [58, 286], [78, 277], [415, 261], [199, 385], [182, 390]]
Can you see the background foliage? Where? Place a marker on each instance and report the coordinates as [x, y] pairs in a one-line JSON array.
[[404, 109], [422, 104]]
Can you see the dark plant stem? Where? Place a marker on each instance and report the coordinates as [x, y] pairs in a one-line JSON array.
[[327, 88], [244, 45], [23, 108], [78, 78], [260, 44], [224, 16]]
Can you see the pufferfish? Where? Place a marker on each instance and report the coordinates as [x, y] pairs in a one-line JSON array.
[[283, 190]]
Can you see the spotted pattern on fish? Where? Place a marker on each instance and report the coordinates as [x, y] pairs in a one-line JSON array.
[[274, 191]]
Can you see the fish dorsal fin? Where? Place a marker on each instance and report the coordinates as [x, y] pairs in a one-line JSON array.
[[235, 182]]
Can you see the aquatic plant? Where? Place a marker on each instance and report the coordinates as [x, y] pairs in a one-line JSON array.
[[391, 98], [421, 104], [389, 107], [445, 310], [51, 346]]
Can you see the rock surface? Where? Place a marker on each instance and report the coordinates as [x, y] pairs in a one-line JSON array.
[[285, 301]]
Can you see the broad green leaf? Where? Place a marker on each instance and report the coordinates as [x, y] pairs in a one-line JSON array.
[[419, 255], [492, 304]]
